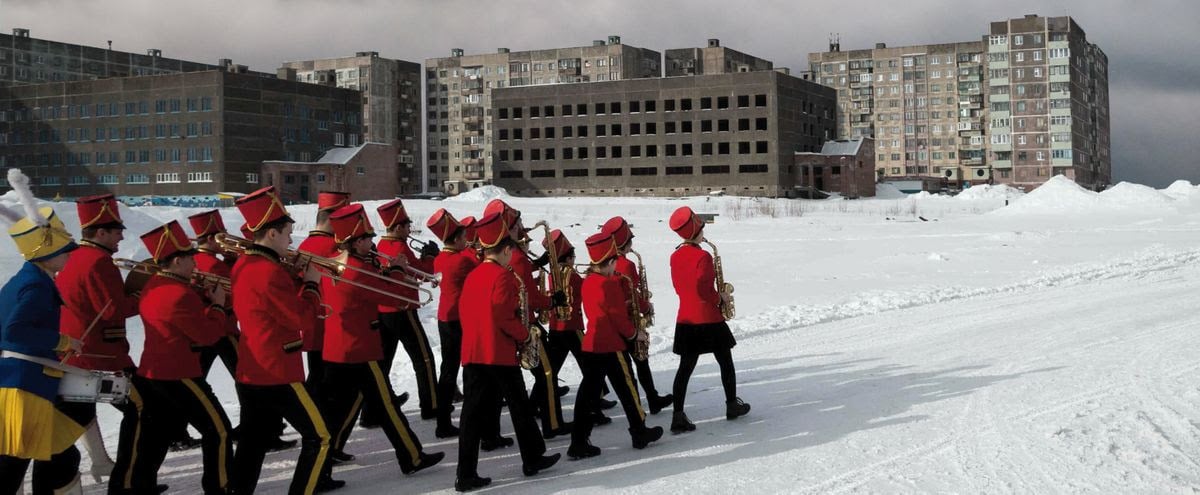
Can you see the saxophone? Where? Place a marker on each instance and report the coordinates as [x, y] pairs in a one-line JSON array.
[[643, 287], [724, 288], [529, 352], [641, 322], [557, 278]]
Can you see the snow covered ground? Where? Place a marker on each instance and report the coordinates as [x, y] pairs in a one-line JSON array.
[[1044, 346]]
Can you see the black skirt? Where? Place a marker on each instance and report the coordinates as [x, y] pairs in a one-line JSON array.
[[702, 338]]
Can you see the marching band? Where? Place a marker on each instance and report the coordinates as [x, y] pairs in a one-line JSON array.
[[310, 334]]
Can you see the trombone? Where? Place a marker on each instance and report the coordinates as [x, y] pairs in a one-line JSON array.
[[199, 279], [333, 269], [420, 276]]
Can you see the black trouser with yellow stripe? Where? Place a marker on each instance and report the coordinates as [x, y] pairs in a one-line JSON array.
[[563, 342], [544, 393], [192, 400], [122, 478], [348, 384], [614, 366], [483, 387], [262, 408], [404, 328]]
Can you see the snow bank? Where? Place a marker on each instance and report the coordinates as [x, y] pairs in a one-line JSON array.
[[1180, 189], [1135, 196], [483, 193], [1058, 195], [888, 191], [988, 191]]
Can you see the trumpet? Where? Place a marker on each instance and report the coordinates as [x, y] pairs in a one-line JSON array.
[[416, 274], [334, 269], [414, 243], [199, 279], [724, 288]]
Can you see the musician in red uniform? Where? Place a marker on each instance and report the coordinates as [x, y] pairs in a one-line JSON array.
[[623, 235], [398, 319], [544, 392], [206, 226], [320, 243], [275, 311], [700, 327], [492, 331], [178, 324], [605, 351], [468, 225], [95, 307], [454, 263]]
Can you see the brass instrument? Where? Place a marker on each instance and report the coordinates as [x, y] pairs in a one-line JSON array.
[[643, 288], [416, 274], [724, 288], [414, 243], [529, 352], [559, 278], [333, 269], [199, 279], [641, 323]]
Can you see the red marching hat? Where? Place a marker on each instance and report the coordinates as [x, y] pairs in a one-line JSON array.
[[99, 211], [332, 200], [468, 225], [499, 206], [261, 207], [619, 228], [166, 240], [350, 223], [491, 229], [246, 232], [443, 224], [561, 243], [685, 223], [601, 247], [392, 213], [207, 223]]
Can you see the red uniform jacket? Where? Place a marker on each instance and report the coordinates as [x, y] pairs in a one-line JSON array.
[[349, 336], [608, 323], [576, 321], [318, 243], [488, 307], [275, 312], [695, 283], [524, 268], [177, 322], [88, 282], [454, 267], [393, 247], [207, 262], [629, 269]]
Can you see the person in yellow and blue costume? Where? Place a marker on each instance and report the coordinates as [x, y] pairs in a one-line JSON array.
[[32, 428]]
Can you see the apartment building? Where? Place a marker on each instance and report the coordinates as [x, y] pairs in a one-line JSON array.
[[676, 136], [458, 90], [391, 104], [711, 59]]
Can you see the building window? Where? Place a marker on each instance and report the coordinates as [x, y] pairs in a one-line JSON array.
[[714, 169], [575, 172], [760, 100], [609, 172], [760, 168], [685, 170]]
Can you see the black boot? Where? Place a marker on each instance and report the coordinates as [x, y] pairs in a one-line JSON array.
[[607, 404], [185, 443], [582, 451], [659, 403], [471, 483], [735, 408], [643, 436], [599, 419], [562, 390], [427, 460], [563, 429], [490, 444], [328, 484], [447, 430], [339, 457], [541, 464], [680, 423], [279, 444]]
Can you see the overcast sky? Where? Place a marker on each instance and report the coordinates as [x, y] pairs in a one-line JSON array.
[[1152, 46]]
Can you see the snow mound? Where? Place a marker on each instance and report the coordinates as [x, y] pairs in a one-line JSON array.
[[1135, 196], [922, 195], [988, 191], [482, 193], [1180, 189], [888, 191], [1057, 195], [937, 257]]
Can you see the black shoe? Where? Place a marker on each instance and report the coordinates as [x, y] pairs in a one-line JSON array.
[[659, 403], [280, 444], [427, 460], [541, 464], [490, 444], [446, 431], [186, 443], [161, 488], [328, 484], [582, 451], [643, 437], [599, 419], [428, 414], [736, 408], [399, 400], [563, 429], [607, 404], [368, 423], [680, 423], [471, 483], [562, 390], [340, 457], [458, 397]]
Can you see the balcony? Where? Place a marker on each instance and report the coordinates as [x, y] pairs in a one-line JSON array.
[[971, 161]]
